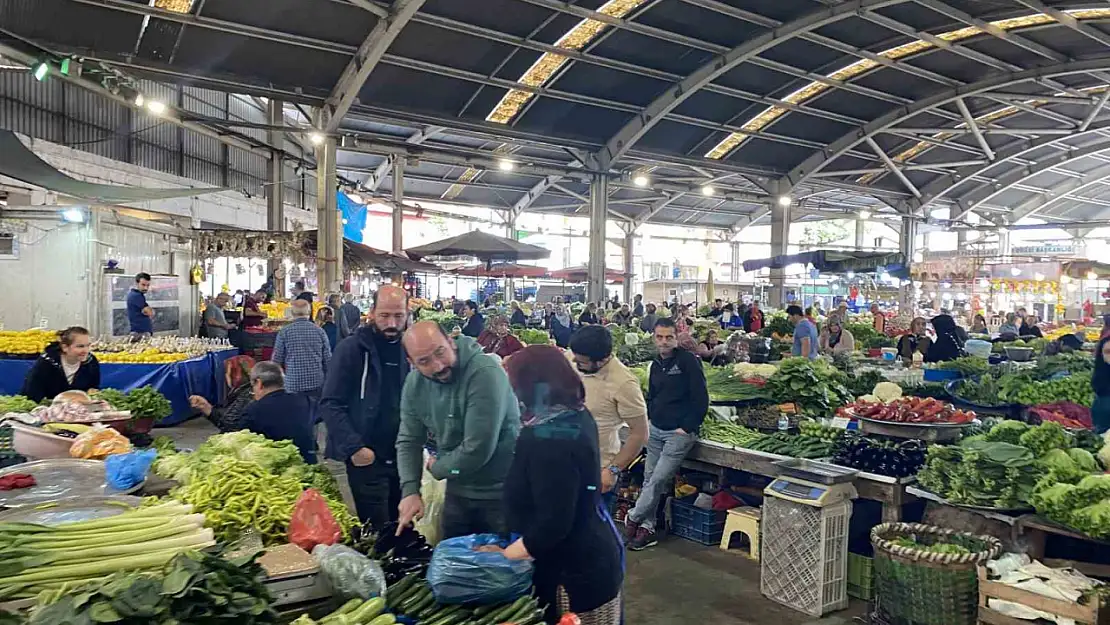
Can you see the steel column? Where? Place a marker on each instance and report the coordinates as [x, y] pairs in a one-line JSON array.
[[398, 204], [907, 244], [861, 226], [329, 236], [599, 205], [780, 239], [629, 268], [275, 188], [734, 264]]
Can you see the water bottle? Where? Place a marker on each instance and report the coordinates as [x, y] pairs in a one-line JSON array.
[[784, 422]]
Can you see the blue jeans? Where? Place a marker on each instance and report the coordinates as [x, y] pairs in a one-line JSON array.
[[665, 451]]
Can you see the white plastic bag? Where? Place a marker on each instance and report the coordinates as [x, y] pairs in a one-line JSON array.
[[433, 492]]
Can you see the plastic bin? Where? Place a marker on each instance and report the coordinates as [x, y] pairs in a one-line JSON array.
[[941, 375], [860, 572], [701, 526]]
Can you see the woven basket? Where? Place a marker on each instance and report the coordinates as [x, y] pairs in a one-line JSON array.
[[917, 587]]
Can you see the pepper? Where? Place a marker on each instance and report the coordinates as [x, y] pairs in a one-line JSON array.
[[13, 481]]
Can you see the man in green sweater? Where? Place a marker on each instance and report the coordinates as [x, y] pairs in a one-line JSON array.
[[462, 400]]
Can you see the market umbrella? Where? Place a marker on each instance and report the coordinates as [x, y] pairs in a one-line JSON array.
[[485, 247], [503, 270], [709, 288], [360, 256], [581, 274]]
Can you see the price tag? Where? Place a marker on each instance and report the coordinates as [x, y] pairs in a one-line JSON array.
[[840, 423]]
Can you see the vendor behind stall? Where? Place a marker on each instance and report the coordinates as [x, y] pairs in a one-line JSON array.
[[914, 341], [67, 364], [949, 345], [834, 338], [496, 339]]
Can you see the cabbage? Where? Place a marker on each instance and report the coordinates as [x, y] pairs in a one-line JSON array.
[[1060, 467], [1093, 520], [1007, 432], [887, 391], [273, 456]]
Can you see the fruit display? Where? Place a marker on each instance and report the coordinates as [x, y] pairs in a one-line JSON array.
[[908, 410], [26, 343], [873, 455]]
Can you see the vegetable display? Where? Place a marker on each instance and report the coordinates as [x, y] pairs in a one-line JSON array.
[[39, 557], [725, 385], [193, 588], [981, 473], [272, 456], [1066, 413], [399, 556], [814, 386], [1084, 506], [15, 403], [531, 336], [873, 455], [354, 612], [143, 402], [413, 598], [982, 391], [908, 410], [967, 366], [1025, 389]]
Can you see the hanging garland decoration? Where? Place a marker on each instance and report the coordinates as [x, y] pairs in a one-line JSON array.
[[211, 244]]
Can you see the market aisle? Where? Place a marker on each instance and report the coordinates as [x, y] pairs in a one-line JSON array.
[[682, 582], [678, 582]]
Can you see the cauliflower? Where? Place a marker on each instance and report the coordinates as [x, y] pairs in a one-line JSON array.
[[868, 398], [887, 391]]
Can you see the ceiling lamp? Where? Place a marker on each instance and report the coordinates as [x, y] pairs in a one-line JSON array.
[[1091, 275], [708, 190], [864, 214], [73, 215], [316, 138], [155, 107], [505, 165], [41, 71], [785, 200], [641, 180]]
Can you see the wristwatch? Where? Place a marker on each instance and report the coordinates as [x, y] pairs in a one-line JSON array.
[[615, 470]]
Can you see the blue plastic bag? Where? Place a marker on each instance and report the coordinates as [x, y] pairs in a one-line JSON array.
[[124, 471], [459, 574]]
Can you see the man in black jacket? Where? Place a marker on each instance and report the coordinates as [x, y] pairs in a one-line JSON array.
[[677, 401], [361, 405]]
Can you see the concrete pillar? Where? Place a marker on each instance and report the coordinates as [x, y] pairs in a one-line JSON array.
[[780, 239], [1004, 248], [275, 189], [907, 244], [861, 226], [629, 270], [398, 204], [735, 267], [599, 209], [329, 235]]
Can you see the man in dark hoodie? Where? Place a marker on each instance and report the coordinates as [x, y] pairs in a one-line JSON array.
[[677, 400], [361, 405], [463, 400]]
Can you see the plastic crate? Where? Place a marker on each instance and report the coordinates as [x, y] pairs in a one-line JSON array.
[[860, 571], [701, 526], [804, 562]]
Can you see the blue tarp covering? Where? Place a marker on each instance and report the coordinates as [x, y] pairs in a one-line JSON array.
[[202, 376], [354, 217], [833, 261]]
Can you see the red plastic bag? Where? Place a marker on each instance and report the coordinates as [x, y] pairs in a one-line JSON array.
[[312, 523]]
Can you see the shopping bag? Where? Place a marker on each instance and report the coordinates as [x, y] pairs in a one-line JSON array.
[[312, 523], [459, 574], [124, 471], [349, 573], [433, 492]]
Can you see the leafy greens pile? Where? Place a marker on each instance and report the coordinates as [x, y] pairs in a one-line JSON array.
[[813, 385], [193, 589]]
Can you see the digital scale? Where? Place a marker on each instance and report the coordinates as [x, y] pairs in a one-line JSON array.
[[804, 523], [810, 493]]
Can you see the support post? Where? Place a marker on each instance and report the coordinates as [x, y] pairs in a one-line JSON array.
[[398, 204], [329, 236], [599, 208], [275, 188], [1004, 248], [629, 270], [861, 227], [780, 239], [734, 264], [907, 244]]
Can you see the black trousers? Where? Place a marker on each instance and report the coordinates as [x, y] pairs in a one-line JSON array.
[[463, 516], [376, 490]]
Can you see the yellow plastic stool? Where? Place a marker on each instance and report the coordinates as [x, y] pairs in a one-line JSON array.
[[746, 521]]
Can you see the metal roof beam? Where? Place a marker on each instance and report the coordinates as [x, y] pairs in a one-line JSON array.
[[991, 29], [1060, 191], [369, 54], [654, 210], [747, 221], [1029, 97], [1095, 110], [678, 93], [903, 166], [1069, 21], [533, 194], [366, 5], [973, 126], [819, 160], [374, 179], [893, 167], [990, 130]]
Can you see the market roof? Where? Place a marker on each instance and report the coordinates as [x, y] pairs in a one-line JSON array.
[[834, 261], [992, 108]]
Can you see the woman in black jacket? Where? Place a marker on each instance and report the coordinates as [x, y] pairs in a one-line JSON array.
[[553, 493], [65, 365], [949, 344]]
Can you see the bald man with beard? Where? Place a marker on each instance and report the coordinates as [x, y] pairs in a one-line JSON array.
[[361, 405]]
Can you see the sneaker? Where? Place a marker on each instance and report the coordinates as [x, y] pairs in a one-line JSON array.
[[644, 538], [629, 530]]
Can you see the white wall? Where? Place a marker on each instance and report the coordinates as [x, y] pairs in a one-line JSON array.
[[48, 281]]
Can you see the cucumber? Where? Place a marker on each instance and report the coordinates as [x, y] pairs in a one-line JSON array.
[[455, 619], [424, 604], [422, 592], [369, 610], [499, 616], [432, 613], [443, 613], [534, 618], [410, 592], [399, 589], [384, 619], [523, 612], [483, 610], [346, 608]]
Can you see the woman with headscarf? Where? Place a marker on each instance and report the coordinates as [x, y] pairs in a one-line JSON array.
[[1100, 381], [835, 339], [495, 339], [1009, 327], [948, 345], [1029, 327], [914, 341], [517, 318], [553, 494], [878, 319], [561, 327], [231, 416], [979, 325]]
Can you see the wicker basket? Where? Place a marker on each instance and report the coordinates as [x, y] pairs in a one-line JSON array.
[[916, 587]]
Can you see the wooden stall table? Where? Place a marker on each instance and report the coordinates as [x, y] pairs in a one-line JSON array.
[[713, 458]]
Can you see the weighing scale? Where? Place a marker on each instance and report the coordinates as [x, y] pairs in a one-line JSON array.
[[804, 560]]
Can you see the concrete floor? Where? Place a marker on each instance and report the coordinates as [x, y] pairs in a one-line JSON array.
[[676, 582]]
